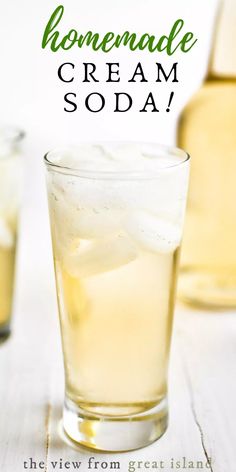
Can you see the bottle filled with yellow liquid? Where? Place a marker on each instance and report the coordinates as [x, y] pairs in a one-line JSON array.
[[207, 129], [10, 190]]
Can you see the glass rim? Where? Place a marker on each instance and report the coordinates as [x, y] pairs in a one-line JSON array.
[[125, 174], [11, 134]]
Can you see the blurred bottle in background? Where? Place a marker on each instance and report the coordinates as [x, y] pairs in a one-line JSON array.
[[10, 193], [207, 130]]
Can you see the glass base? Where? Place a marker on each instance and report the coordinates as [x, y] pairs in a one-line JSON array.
[[5, 332], [207, 290], [114, 433]]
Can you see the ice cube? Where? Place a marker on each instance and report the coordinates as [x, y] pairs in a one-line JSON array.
[[96, 223], [84, 223], [152, 233], [6, 235], [96, 257], [82, 193]]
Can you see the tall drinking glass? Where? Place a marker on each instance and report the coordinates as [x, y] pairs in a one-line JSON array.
[[116, 215], [10, 190]]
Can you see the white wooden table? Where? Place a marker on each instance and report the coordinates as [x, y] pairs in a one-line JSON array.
[[202, 379]]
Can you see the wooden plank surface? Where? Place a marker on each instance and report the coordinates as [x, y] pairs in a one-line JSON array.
[[202, 378]]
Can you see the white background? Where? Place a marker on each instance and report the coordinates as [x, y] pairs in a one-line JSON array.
[[31, 94], [31, 97]]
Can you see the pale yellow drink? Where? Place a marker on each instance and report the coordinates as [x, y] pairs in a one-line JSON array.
[[10, 196], [7, 265], [116, 246], [116, 329]]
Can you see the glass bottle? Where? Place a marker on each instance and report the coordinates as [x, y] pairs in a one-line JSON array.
[[207, 130]]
